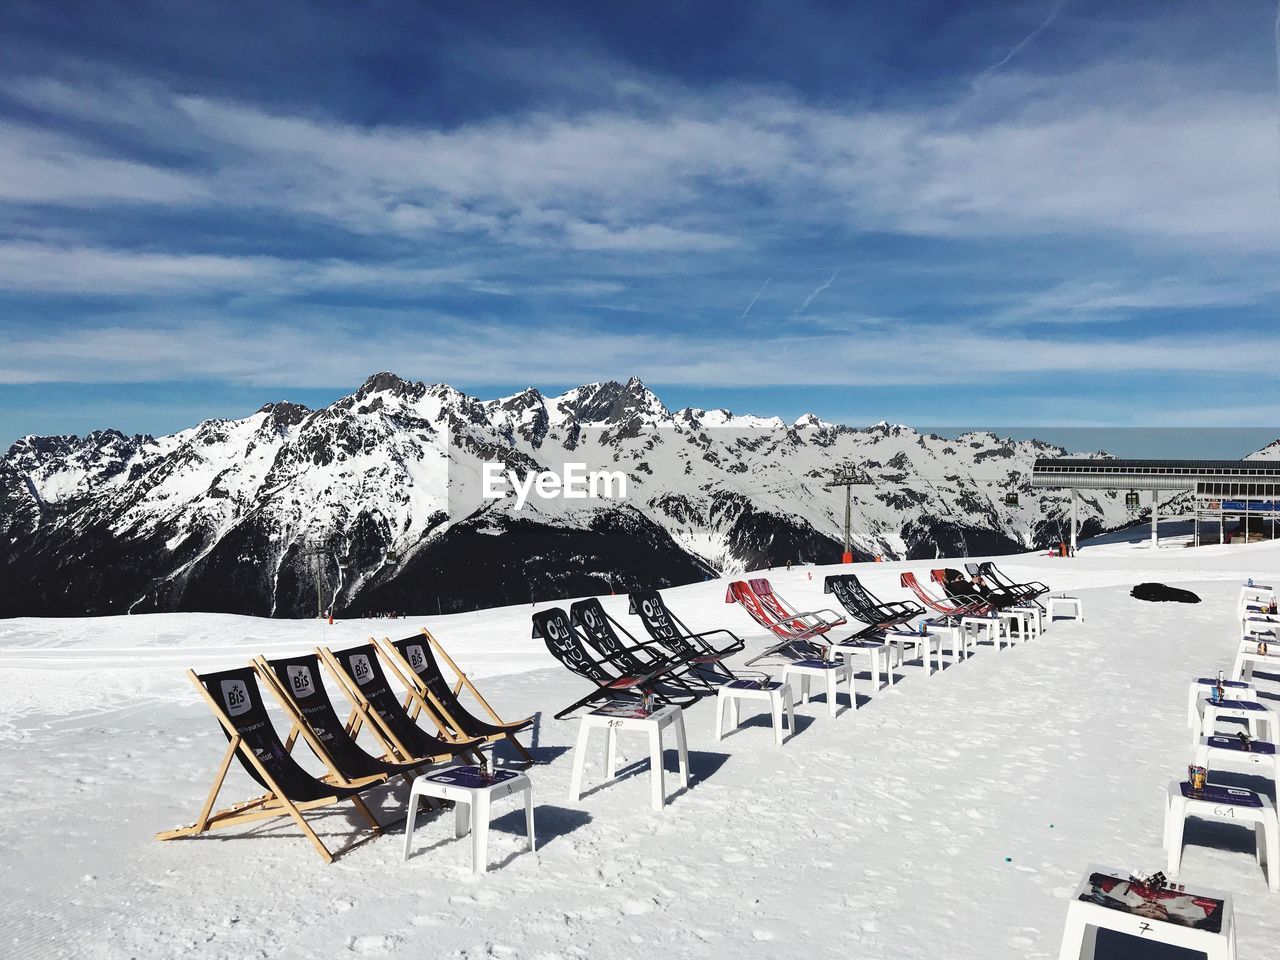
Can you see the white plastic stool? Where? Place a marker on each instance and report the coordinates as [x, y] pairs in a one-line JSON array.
[[1011, 617], [878, 653], [622, 715], [1264, 625], [990, 628], [1075, 611], [1036, 618], [472, 794], [830, 672], [1251, 711], [1203, 686], [921, 645], [961, 641], [1229, 804], [1248, 658], [1258, 597], [1090, 911], [1215, 752], [774, 692]]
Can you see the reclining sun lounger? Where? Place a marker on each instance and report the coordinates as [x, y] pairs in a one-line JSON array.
[[998, 597], [1029, 591], [236, 702], [694, 648], [358, 671], [298, 685], [959, 588], [616, 643], [862, 605], [612, 681], [948, 608], [802, 634], [414, 662]]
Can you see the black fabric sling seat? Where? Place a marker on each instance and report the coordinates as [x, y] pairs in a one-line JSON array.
[[301, 677], [361, 664], [590, 616], [661, 624], [418, 654], [553, 626], [237, 693], [865, 606]]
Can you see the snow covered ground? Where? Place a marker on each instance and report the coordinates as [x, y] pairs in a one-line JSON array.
[[947, 816]]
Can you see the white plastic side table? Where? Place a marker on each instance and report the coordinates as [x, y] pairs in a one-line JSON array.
[[990, 627], [1260, 758], [1073, 608], [1203, 687], [621, 717], [774, 692], [472, 794], [878, 653], [1248, 659], [1251, 711], [1085, 917], [1229, 804], [1011, 617], [921, 644], [829, 672]]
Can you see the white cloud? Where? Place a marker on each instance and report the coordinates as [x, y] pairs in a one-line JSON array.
[[1125, 151], [325, 351]]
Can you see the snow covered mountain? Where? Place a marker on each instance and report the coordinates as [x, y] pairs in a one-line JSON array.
[[370, 503]]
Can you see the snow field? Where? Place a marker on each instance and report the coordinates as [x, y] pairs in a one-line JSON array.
[[947, 816]]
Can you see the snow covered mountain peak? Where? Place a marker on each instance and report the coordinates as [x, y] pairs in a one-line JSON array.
[[229, 514]]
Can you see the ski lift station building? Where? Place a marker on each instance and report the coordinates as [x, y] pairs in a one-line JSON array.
[[1244, 492]]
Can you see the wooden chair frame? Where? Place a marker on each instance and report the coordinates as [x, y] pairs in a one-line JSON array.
[[363, 713], [300, 727], [269, 805], [438, 711]]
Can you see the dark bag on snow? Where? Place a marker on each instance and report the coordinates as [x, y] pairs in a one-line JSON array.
[[1159, 593]]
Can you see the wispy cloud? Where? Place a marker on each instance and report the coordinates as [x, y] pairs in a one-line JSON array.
[[763, 286], [817, 290], [325, 349], [1018, 47]]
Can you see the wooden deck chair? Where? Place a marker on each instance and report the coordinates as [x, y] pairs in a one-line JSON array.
[[413, 659], [298, 685], [237, 704], [358, 670]]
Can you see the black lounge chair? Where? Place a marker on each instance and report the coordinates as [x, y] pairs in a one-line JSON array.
[[413, 659], [359, 671], [298, 684], [606, 635], [670, 632], [236, 702], [612, 681], [864, 606], [959, 587], [1027, 592]]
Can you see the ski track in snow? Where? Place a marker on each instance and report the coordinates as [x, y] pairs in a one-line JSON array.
[[882, 833]]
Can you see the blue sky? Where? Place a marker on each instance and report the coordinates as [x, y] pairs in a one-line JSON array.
[[1057, 213]]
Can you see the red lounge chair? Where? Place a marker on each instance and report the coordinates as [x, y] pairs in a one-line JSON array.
[[801, 633], [947, 607]]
